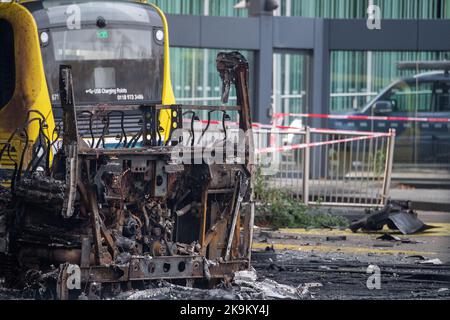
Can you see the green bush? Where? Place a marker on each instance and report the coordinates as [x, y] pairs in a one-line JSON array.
[[278, 208]]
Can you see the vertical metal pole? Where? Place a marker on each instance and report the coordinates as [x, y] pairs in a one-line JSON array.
[[85, 252], [388, 167], [250, 229], [204, 216], [306, 153], [206, 92], [375, 170], [369, 75]]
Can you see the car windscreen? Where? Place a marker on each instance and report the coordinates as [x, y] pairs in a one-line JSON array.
[[411, 96], [114, 65]]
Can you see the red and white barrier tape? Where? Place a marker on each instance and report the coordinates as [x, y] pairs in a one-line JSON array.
[[316, 144], [362, 135], [359, 117], [232, 123], [284, 129], [294, 130], [350, 132]]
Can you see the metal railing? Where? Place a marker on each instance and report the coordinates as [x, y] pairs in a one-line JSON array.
[[317, 166], [328, 167]]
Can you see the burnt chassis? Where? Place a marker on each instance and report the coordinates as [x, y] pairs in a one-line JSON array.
[[127, 214]]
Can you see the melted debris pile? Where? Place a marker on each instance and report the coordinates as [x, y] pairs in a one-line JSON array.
[[246, 286]]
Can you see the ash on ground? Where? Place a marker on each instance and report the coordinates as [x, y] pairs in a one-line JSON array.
[[245, 286]]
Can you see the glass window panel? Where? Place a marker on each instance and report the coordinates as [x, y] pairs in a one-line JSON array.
[[195, 78], [94, 44], [290, 82], [202, 7], [337, 9], [357, 9], [443, 97], [194, 7]]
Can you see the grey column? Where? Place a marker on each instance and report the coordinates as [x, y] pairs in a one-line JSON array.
[[263, 71], [320, 95]]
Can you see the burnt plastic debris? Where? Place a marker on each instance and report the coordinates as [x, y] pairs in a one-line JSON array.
[[336, 238], [397, 215]]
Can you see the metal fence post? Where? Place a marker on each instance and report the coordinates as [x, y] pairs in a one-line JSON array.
[[388, 166], [306, 161]]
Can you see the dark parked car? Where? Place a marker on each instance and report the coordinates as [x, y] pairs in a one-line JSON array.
[[421, 143]]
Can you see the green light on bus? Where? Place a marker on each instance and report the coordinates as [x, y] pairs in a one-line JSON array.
[[102, 34]]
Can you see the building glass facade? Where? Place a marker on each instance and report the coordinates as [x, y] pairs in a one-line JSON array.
[[223, 8], [337, 9], [195, 78], [356, 76], [356, 9]]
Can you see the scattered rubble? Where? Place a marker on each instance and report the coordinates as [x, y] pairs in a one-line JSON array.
[[266, 255], [167, 291], [431, 261], [246, 286], [336, 238], [344, 276], [389, 237], [419, 257], [394, 238], [304, 288]]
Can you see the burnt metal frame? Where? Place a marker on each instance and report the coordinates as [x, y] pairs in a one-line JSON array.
[[233, 70], [74, 176]]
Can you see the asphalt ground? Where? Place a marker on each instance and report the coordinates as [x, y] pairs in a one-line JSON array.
[[330, 264], [335, 261]]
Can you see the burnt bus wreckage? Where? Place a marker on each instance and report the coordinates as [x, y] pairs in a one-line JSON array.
[[122, 214]]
